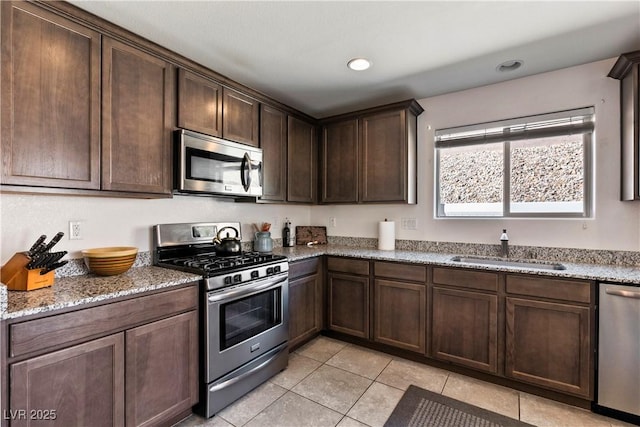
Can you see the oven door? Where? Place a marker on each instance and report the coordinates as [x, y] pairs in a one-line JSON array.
[[216, 166], [245, 322]]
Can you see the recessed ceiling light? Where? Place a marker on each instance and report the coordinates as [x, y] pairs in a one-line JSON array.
[[510, 65], [359, 64]]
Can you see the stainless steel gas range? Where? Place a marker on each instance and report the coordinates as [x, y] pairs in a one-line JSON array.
[[243, 310]]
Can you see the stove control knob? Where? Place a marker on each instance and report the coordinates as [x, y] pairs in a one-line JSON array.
[[276, 269], [227, 280], [269, 271], [237, 278], [255, 274]]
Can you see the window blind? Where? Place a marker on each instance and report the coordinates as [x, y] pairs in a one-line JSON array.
[[568, 122]]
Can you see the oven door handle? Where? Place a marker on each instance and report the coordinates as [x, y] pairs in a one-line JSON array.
[[247, 290]]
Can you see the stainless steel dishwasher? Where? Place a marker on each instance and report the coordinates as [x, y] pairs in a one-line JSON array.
[[618, 389]]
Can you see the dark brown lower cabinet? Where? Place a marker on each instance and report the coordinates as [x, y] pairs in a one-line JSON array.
[[465, 328], [305, 301], [161, 369], [81, 385], [348, 304], [549, 344], [132, 362], [400, 312]]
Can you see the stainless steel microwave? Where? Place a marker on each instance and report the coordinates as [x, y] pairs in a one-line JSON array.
[[210, 165]]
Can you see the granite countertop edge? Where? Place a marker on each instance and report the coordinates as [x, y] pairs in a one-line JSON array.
[[75, 291], [597, 272]]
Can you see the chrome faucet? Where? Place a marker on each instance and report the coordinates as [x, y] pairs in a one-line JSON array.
[[504, 242]]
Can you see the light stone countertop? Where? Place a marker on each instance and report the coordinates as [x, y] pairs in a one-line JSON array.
[[75, 291], [601, 273], [3, 300]]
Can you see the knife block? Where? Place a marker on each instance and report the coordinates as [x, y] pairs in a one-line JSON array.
[[17, 277]]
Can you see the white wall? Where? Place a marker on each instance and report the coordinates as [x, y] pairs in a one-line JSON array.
[[615, 225], [124, 222]]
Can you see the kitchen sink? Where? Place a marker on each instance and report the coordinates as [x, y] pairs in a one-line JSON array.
[[509, 262]]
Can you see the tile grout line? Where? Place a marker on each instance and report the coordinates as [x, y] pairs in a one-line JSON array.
[[365, 391], [287, 390], [373, 381], [445, 384]]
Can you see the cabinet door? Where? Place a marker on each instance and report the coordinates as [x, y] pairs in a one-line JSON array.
[[384, 156], [273, 141], [199, 104], [161, 369], [305, 308], [50, 100], [349, 304], [240, 115], [138, 102], [548, 344], [465, 328], [78, 386], [301, 161], [400, 314], [627, 70], [340, 162]]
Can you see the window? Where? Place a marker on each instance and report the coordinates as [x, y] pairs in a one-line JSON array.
[[537, 166]]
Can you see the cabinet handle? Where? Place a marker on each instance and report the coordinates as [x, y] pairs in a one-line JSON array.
[[621, 293]]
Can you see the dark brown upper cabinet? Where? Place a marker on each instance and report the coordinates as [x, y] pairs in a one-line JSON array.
[[273, 141], [340, 161], [50, 100], [240, 116], [199, 103], [627, 70], [301, 161], [370, 156], [205, 106], [137, 119]]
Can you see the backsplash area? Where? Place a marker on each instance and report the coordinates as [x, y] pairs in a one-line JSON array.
[[586, 256]]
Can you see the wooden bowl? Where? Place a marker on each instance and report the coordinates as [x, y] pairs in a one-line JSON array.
[[110, 261]]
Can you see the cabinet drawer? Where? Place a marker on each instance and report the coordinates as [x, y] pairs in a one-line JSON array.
[[345, 265], [466, 279], [565, 290], [303, 268], [61, 329], [394, 270]]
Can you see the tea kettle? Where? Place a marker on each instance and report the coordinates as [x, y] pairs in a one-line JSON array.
[[227, 246]]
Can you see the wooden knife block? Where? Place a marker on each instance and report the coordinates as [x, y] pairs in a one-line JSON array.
[[17, 277]]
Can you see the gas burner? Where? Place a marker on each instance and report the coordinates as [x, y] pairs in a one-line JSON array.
[[211, 263], [179, 246]]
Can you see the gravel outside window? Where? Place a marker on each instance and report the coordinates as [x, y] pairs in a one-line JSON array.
[[537, 166]]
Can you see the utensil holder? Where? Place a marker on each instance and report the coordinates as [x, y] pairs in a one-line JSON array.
[[17, 277], [263, 242]]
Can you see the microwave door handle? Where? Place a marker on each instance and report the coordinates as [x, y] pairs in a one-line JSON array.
[[245, 172]]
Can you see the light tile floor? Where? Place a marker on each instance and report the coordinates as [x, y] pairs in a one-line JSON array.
[[332, 383]]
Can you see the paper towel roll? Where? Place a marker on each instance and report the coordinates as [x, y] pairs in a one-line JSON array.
[[386, 235]]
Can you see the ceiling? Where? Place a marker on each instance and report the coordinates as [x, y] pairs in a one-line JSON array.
[[296, 51]]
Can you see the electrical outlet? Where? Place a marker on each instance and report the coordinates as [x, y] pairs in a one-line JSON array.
[[75, 230], [332, 221], [409, 223]]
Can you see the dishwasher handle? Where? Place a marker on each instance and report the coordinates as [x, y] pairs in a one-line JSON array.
[[623, 293]]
